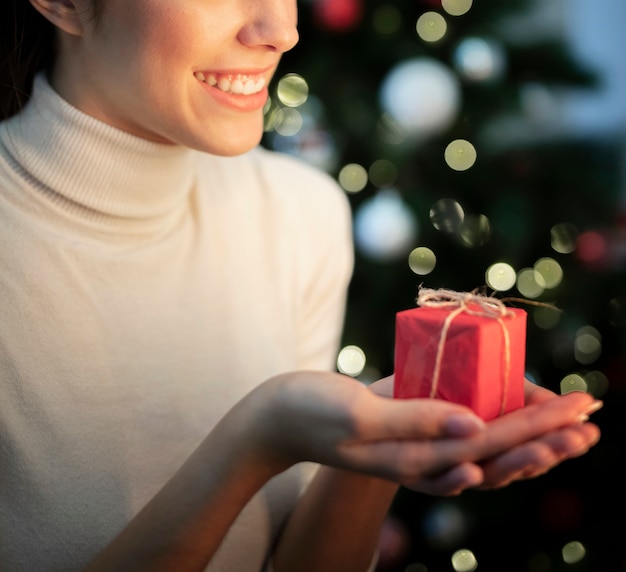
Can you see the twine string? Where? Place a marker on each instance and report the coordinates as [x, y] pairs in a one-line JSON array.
[[475, 305]]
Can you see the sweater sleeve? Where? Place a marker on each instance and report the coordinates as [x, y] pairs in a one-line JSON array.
[[326, 267], [317, 234]]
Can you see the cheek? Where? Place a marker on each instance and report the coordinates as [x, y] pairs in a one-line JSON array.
[[155, 39], [172, 32]]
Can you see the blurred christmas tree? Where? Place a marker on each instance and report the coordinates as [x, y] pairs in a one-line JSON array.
[[441, 121]]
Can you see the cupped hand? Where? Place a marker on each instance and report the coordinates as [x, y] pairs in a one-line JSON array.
[[540, 454], [557, 428], [428, 445], [335, 420]]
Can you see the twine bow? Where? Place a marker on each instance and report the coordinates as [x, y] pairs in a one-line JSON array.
[[469, 303]]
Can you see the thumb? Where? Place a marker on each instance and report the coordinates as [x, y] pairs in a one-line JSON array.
[[421, 418]]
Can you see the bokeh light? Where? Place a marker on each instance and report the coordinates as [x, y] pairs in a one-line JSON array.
[[287, 121], [530, 283], [456, 7], [383, 173], [464, 561], [597, 383], [500, 277], [563, 237], [431, 27], [390, 130], [573, 552], [591, 247], [460, 155], [422, 94], [480, 59], [445, 525], [587, 345], [292, 90], [422, 260], [550, 271], [269, 111], [447, 215], [573, 382], [475, 230], [385, 227], [352, 177], [351, 360], [546, 318]]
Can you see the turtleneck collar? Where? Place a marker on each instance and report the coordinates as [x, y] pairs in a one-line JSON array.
[[91, 168]]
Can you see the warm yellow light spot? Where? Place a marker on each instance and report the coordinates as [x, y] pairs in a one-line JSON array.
[[550, 271], [464, 561], [456, 7], [287, 121], [500, 276], [460, 155], [563, 237], [292, 90], [587, 345], [573, 552], [431, 27], [353, 177], [422, 260], [269, 114], [530, 283], [573, 382], [351, 361]]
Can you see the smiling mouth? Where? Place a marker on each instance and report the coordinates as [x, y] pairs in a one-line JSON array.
[[238, 84]]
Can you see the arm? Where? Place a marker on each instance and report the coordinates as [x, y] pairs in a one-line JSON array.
[[357, 431]]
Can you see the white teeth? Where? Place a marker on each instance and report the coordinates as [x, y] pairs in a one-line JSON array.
[[239, 85], [223, 83]]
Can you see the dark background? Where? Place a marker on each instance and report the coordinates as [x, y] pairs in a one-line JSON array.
[[535, 179]]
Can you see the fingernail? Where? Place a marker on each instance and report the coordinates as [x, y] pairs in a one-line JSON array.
[[584, 416], [463, 425], [597, 404]]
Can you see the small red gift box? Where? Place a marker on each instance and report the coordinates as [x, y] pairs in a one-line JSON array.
[[459, 352]]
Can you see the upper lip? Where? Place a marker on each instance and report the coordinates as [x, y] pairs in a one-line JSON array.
[[262, 71]]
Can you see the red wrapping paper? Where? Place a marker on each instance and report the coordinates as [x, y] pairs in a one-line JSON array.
[[474, 370]]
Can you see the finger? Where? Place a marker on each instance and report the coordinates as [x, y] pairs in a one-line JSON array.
[[451, 482], [535, 420], [383, 387], [536, 457], [419, 419], [534, 393]]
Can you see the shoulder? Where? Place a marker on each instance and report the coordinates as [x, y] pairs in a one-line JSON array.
[[286, 187], [290, 177]]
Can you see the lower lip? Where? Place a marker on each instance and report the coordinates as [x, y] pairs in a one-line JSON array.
[[238, 102]]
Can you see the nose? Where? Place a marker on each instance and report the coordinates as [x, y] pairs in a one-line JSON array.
[[272, 23]]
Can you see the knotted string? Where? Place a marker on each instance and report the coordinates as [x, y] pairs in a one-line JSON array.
[[469, 303]]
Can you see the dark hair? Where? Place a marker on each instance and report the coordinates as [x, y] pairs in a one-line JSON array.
[[27, 45]]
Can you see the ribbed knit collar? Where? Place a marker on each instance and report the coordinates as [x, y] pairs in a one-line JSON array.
[[91, 168]]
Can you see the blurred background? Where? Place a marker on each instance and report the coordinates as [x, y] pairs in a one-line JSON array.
[[482, 145]]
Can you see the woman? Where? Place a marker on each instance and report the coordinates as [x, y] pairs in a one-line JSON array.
[[172, 300]]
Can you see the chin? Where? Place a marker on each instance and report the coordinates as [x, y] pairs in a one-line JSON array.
[[226, 147]]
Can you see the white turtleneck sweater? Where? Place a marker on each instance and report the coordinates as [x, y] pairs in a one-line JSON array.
[[144, 290]]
